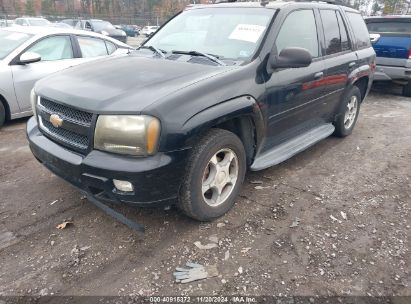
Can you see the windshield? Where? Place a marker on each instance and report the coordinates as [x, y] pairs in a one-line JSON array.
[[102, 25], [389, 27], [9, 41], [228, 33], [38, 22]]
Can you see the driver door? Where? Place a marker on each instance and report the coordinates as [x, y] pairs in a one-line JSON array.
[[56, 54]]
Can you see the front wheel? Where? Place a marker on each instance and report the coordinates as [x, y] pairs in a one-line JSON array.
[[2, 114], [214, 174], [348, 115]]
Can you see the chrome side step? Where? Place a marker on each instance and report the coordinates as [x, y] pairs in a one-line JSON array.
[[292, 147]]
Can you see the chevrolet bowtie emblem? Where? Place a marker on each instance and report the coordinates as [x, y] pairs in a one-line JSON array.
[[56, 120]]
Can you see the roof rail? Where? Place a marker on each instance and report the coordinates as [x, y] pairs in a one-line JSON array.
[[335, 2]]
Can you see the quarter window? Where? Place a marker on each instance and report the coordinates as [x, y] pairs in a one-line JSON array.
[[361, 34], [53, 48], [111, 48], [299, 30], [92, 47]]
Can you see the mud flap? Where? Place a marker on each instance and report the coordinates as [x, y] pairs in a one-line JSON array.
[[118, 216]]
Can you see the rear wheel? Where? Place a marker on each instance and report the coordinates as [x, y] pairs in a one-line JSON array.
[[349, 111], [214, 175], [2, 114], [406, 91]]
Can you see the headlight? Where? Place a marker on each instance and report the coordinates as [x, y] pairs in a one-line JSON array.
[[127, 134], [33, 101], [105, 33], [123, 33]]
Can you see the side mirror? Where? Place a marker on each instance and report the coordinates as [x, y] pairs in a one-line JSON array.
[[29, 57], [291, 57]]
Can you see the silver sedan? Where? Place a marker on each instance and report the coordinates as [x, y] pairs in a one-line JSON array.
[[28, 54]]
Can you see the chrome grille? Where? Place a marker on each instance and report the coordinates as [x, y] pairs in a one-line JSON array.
[[75, 128], [66, 113]]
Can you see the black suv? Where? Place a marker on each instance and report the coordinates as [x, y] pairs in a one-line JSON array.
[[218, 90]]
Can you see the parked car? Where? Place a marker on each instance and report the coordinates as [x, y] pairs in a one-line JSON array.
[[391, 39], [31, 21], [60, 25], [6, 23], [28, 54], [102, 27], [218, 90], [70, 22], [128, 29], [149, 30]]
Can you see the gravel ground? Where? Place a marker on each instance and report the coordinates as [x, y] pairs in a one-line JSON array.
[[334, 220]]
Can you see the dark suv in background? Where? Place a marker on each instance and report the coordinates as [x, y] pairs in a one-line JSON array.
[[102, 27], [218, 90]]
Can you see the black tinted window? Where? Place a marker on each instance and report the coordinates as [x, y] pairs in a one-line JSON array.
[[331, 31], [299, 30], [361, 34], [345, 43], [389, 27]]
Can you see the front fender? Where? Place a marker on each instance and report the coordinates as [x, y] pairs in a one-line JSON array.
[[223, 112]]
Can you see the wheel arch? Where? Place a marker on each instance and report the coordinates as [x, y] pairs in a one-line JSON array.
[[6, 107], [241, 116], [363, 84]]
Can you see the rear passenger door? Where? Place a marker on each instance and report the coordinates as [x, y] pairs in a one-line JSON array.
[[339, 58]]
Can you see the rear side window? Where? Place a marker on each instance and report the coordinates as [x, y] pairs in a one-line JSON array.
[[331, 32], [390, 27], [345, 43], [299, 30], [361, 34], [92, 47]]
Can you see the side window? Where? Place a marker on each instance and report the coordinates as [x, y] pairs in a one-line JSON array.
[[299, 30], [92, 47], [111, 48], [53, 48], [361, 34], [88, 26], [331, 31], [345, 43]]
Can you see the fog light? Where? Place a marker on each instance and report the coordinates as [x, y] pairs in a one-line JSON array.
[[123, 186]]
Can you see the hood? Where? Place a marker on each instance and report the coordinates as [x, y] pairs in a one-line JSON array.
[[126, 84]]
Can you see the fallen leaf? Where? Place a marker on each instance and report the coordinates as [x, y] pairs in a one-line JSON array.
[[344, 215], [245, 250], [205, 247], [64, 225]]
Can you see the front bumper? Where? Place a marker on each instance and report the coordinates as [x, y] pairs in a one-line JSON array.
[[389, 73], [156, 180]]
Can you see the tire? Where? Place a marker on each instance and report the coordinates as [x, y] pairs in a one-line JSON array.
[[2, 114], [344, 127], [406, 91], [201, 169]]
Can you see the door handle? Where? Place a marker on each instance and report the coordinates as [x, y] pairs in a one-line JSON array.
[[352, 64], [319, 75]]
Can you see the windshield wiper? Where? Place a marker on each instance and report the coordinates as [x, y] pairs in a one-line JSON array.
[[154, 49], [197, 53]]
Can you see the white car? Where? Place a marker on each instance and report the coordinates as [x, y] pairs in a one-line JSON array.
[[31, 21], [149, 30], [28, 54]]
